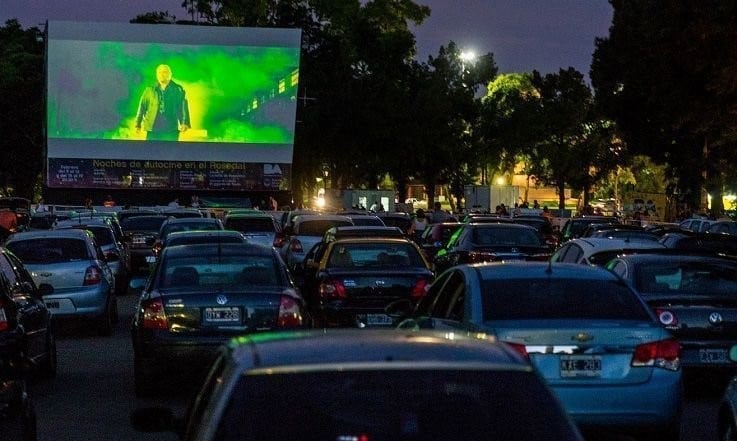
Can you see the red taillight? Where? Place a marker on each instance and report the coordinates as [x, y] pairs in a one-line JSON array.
[[154, 316], [666, 317], [480, 256], [157, 247], [664, 354], [4, 325], [332, 289], [279, 240], [290, 314], [520, 349], [296, 246], [92, 276], [419, 289]]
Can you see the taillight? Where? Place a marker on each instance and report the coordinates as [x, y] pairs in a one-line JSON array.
[[296, 246], [279, 240], [4, 325], [154, 316], [519, 348], [157, 247], [419, 289], [290, 314], [332, 289], [664, 354], [666, 317], [92, 276]]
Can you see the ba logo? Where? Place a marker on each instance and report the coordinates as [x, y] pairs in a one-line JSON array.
[[272, 169]]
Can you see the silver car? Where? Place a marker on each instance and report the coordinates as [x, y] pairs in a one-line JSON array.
[[71, 261]]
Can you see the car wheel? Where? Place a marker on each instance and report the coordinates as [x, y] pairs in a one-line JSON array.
[[144, 384], [48, 366], [105, 321]]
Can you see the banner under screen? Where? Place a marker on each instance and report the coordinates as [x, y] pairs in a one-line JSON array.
[[170, 106]]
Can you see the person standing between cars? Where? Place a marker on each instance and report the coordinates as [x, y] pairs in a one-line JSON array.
[[108, 202], [163, 112], [418, 225], [438, 215]]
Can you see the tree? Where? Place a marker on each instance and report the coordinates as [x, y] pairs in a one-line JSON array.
[[21, 110]]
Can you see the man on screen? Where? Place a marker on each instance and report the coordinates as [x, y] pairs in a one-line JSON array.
[[163, 111]]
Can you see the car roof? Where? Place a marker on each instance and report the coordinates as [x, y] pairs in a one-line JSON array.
[[533, 270], [320, 217], [596, 244], [74, 233], [672, 255], [204, 233], [373, 349], [192, 220], [363, 230], [373, 239]]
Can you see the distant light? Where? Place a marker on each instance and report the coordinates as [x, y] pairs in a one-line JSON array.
[[468, 56], [501, 181]]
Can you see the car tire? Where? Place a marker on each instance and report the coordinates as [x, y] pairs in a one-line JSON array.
[[47, 368], [143, 383], [105, 321]]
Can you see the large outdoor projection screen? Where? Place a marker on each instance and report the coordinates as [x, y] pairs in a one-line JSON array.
[[224, 120]]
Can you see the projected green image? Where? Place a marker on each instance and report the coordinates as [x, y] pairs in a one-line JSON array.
[[204, 93]]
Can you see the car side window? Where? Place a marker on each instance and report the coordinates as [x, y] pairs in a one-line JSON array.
[[20, 270], [573, 255], [618, 268], [447, 295], [425, 304], [7, 270]]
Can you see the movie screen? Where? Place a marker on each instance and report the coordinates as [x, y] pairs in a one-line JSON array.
[[173, 106]]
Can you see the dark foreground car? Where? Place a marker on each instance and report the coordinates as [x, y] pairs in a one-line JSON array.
[[368, 385], [198, 296]]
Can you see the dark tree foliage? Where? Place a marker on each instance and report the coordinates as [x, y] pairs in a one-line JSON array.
[[21, 108], [666, 75]]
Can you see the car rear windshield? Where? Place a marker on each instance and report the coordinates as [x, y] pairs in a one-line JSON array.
[[393, 405], [505, 236], [688, 278], [377, 254], [49, 250], [103, 235], [142, 223], [318, 227], [208, 272], [560, 298], [194, 240], [189, 226], [250, 225]]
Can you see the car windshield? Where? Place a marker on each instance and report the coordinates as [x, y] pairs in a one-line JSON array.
[[212, 271], [376, 254], [252, 224], [188, 226], [143, 223], [49, 250], [318, 227], [392, 405], [687, 278], [505, 236], [559, 298], [194, 240]]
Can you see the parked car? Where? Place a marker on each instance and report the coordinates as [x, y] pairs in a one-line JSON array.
[[687, 240], [697, 224], [75, 266], [174, 224], [543, 226], [589, 335], [488, 242], [306, 231], [140, 234], [396, 219], [257, 227], [113, 250], [181, 213], [197, 237], [435, 236], [368, 385], [573, 227], [724, 227], [365, 220], [600, 250], [357, 278], [198, 296], [693, 296]]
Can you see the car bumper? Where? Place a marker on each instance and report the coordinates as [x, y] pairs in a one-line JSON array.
[[654, 404], [78, 302], [194, 354]]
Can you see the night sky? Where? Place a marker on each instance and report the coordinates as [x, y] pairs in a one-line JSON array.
[[545, 35]]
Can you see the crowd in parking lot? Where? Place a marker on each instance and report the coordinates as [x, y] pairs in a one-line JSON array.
[[601, 321]]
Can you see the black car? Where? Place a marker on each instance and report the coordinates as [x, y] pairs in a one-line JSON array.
[[490, 242], [140, 234], [688, 240], [198, 296], [693, 296], [357, 278], [575, 226]]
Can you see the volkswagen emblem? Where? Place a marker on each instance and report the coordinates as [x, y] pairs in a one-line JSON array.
[[380, 283], [221, 299], [715, 318]]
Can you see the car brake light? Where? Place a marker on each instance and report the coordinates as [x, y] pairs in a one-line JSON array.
[[154, 316], [419, 289], [157, 247], [296, 246], [666, 317], [664, 354], [92, 276], [332, 289], [290, 315], [519, 348], [4, 325], [279, 240]]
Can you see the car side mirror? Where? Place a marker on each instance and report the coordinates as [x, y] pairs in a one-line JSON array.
[[45, 289]]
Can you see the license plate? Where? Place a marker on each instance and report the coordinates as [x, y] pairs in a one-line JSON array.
[[220, 315], [150, 259], [580, 366], [713, 356], [378, 319]]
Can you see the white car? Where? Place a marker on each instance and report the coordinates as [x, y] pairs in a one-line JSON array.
[[600, 250], [307, 230]]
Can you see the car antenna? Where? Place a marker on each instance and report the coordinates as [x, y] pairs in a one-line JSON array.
[[549, 269]]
